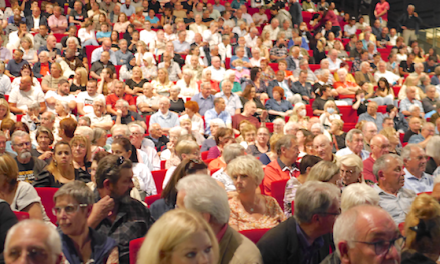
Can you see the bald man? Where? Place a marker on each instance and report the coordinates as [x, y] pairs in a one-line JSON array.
[[380, 145], [26, 95], [106, 46], [323, 148]]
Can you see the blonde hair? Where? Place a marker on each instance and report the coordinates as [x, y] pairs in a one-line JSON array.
[[4, 103], [84, 75], [167, 79], [172, 229], [82, 139], [323, 171], [8, 168], [28, 40], [352, 160], [246, 165], [339, 123], [328, 103]]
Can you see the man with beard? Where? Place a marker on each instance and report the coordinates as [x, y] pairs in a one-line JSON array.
[[28, 166], [115, 213], [62, 94]]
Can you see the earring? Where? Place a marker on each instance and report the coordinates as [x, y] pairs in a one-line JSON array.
[[55, 162]]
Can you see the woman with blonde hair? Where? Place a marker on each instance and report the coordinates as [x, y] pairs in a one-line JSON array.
[[319, 51], [81, 153], [134, 85], [29, 53], [299, 115], [264, 51], [422, 231], [172, 233], [5, 112], [162, 83], [143, 53], [79, 82], [337, 134], [330, 114], [249, 134], [351, 168], [267, 42], [325, 171]]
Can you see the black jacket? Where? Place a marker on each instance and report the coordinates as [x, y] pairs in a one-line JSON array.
[[46, 179], [281, 245], [30, 21], [37, 68]]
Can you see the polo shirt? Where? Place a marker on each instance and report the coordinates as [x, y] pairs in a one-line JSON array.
[[415, 139], [112, 98], [14, 68], [346, 151], [204, 103], [130, 117], [212, 114], [169, 120], [378, 120], [276, 171], [180, 47], [406, 103], [424, 184], [122, 58], [368, 171], [232, 103], [397, 206]]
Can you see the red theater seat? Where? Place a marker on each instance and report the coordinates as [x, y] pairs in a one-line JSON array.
[[21, 215], [348, 114], [46, 194], [134, 247], [278, 189], [254, 235], [151, 199], [159, 177]]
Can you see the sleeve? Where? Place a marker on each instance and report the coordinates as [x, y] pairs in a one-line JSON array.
[[13, 97], [44, 179], [26, 196]]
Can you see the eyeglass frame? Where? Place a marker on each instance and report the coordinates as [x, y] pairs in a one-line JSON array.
[[78, 206], [390, 242]]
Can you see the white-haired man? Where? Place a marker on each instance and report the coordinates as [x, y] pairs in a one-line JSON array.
[[323, 148], [156, 135], [334, 62], [33, 241], [291, 128], [410, 100], [164, 117], [355, 145], [217, 71], [137, 137], [202, 194], [414, 159], [123, 114], [382, 72]]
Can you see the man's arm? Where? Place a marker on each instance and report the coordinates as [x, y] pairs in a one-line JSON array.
[[14, 109], [110, 109], [80, 108]]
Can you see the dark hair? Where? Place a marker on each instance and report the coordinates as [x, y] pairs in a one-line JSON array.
[[386, 119], [27, 66], [308, 161], [387, 84], [390, 107], [69, 126], [305, 132], [432, 58], [100, 155], [16, 125], [110, 168], [247, 91], [323, 88], [117, 35], [254, 72], [186, 167], [221, 132]]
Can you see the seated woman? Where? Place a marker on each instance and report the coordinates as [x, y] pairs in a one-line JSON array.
[[87, 35], [261, 145], [188, 85], [81, 153], [5, 112], [134, 85], [195, 51], [122, 24], [45, 139], [79, 82], [21, 196], [391, 134], [250, 210], [299, 115], [168, 196], [360, 104], [422, 231], [162, 83], [351, 168], [73, 205], [278, 106], [248, 133], [142, 178], [257, 82], [191, 113], [272, 155], [330, 114], [301, 136], [337, 134], [168, 153], [29, 53], [325, 171], [107, 82], [60, 171], [176, 104], [292, 185], [250, 93], [223, 137], [26, 70], [126, 71], [67, 129], [98, 141], [384, 91]]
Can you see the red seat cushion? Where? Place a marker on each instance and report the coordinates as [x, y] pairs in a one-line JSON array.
[[134, 247], [46, 194], [278, 189], [254, 235], [159, 177]]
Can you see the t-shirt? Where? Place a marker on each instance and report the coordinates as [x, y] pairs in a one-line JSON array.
[[153, 20], [130, 117], [101, 34], [80, 17], [112, 98], [27, 172], [87, 100], [65, 98], [26, 195], [24, 99], [14, 68]]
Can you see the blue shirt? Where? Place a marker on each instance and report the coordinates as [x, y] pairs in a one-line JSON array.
[[424, 184], [96, 56], [414, 139], [397, 206], [405, 104], [169, 120], [272, 104], [346, 151], [101, 34], [378, 121], [204, 103], [128, 11], [232, 103], [309, 250], [153, 20], [235, 57], [212, 114]]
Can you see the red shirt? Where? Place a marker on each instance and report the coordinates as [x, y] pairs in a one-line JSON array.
[[368, 170], [112, 98], [381, 7], [273, 172]]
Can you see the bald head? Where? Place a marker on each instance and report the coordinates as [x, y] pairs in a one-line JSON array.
[[323, 147], [380, 145]]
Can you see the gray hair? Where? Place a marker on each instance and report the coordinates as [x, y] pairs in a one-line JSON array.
[[72, 39], [352, 160], [406, 151], [122, 40], [97, 134], [217, 121], [318, 126], [246, 165], [357, 194], [18, 133], [232, 151], [284, 142], [290, 126], [365, 64], [124, 127], [65, 106], [85, 118], [349, 137], [341, 71], [34, 106], [135, 125], [204, 195], [204, 84], [382, 162], [279, 121], [99, 99], [323, 171], [53, 239], [78, 190], [85, 131], [44, 53], [314, 197], [123, 102], [433, 146], [175, 88], [413, 108]]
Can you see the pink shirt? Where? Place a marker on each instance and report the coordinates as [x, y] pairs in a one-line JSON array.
[[381, 7], [57, 25], [332, 17]]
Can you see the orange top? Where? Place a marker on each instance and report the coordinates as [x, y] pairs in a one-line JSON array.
[[216, 164], [44, 70]]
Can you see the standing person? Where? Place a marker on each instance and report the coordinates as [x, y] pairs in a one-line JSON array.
[[381, 12], [410, 23]]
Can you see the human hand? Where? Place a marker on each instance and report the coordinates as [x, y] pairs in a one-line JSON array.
[[46, 155], [102, 209], [119, 112]]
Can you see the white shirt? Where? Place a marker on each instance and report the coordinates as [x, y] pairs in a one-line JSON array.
[[170, 37], [239, 32], [188, 60], [273, 32], [257, 17], [94, 119], [250, 43], [66, 98], [185, 90], [144, 178], [145, 56], [16, 83], [14, 40], [213, 39], [190, 36], [391, 77], [246, 17], [24, 99], [147, 36], [36, 22], [334, 65], [83, 34], [87, 100], [225, 51], [217, 75], [168, 175]]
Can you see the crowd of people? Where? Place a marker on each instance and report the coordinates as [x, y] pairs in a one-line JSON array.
[[192, 124]]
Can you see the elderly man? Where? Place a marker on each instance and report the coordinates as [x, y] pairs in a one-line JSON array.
[[410, 23], [112, 199], [123, 115], [232, 101], [32, 241], [119, 93], [211, 35], [21, 98], [159, 139], [361, 76], [410, 100], [249, 110], [181, 46], [214, 208], [380, 146], [414, 128], [391, 77], [217, 71], [239, 51], [173, 68], [303, 87], [106, 46], [279, 50], [287, 86], [414, 159], [369, 129], [291, 128], [325, 65], [422, 138], [372, 115], [305, 237], [13, 69], [219, 111], [98, 118], [139, 142], [273, 29], [304, 66], [395, 199], [430, 102], [35, 20], [164, 117], [198, 26], [284, 167], [204, 99], [323, 148], [355, 145], [103, 63], [122, 54], [57, 22], [334, 62], [251, 38], [85, 99], [40, 39], [42, 66], [356, 230], [62, 94]]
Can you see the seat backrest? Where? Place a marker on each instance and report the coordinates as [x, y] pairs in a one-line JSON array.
[[134, 247], [162, 164], [46, 194], [204, 155], [151, 199], [159, 177], [21, 215], [278, 189], [348, 114], [254, 235]]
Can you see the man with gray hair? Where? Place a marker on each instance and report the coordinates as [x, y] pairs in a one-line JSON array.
[[33, 241], [422, 139], [159, 139], [123, 114], [84, 131], [323, 148], [395, 199], [414, 159], [355, 234], [164, 117], [364, 75], [123, 56], [217, 71], [28, 166], [139, 142], [410, 23], [305, 237], [355, 145], [369, 130], [230, 152], [430, 102], [291, 128], [202, 194]]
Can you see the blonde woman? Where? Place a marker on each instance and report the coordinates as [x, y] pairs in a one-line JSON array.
[[81, 153], [173, 233], [264, 51], [79, 82], [299, 115], [319, 52], [5, 112], [267, 42], [162, 83], [330, 114], [143, 54], [134, 85], [29, 53], [188, 86], [4, 79], [391, 134], [325, 171], [338, 136]]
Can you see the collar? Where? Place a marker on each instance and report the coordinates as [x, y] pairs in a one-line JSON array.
[[318, 243], [164, 115], [286, 168], [222, 232], [410, 175]]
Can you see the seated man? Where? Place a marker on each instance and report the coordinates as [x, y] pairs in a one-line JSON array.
[[14, 66], [115, 213], [40, 39], [57, 22], [304, 66], [239, 55], [422, 138], [119, 93], [279, 51], [355, 145], [394, 199], [164, 117], [410, 100], [372, 115], [232, 100], [123, 115], [103, 63], [160, 140], [379, 145], [430, 102], [137, 139], [303, 87], [361, 76], [406, 67], [323, 148], [106, 46], [62, 94], [389, 76], [334, 62], [413, 129], [16, 36], [218, 112], [414, 159], [54, 52], [250, 108], [21, 98], [294, 240], [85, 99]]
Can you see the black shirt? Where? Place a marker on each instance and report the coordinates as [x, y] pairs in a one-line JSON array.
[[408, 135], [28, 172], [130, 117], [177, 106], [407, 68], [98, 66], [319, 103], [74, 88], [132, 84], [362, 107], [79, 16], [186, 5], [154, 6], [431, 166], [160, 142]]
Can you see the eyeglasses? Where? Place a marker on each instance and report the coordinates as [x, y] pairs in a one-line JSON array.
[[383, 247], [27, 144], [37, 255], [329, 213], [69, 209], [120, 160], [118, 136]]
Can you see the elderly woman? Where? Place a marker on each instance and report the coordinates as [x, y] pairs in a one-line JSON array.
[[45, 139], [230, 76], [162, 83], [98, 117], [206, 77], [351, 168], [81, 153], [248, 132], [134, 85], [142, 178], [330, 114], [169, 193], [223, 137], [250, 210], [278, 106], [62, 110], [61, 169], [292, 185], [26, 70], [256, 57], [191, 110], [261, 145], [299, 115], [278, 125], [337, 134], [176, 104], [5, 112], [188, 85], [325, 171], [73, 205], [168, 153], [21, 196], [98, 141], [357, 194]]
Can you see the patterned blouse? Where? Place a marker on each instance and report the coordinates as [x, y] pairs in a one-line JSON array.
[[273, 215], [292, 186]]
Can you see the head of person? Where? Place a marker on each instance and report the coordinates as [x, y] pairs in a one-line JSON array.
[[358, 194], [414, 159], [325, 171], [355, 141], [21, 143], [380, 145], [44, 137], [389, 172], [287, 149], [278, 126], [81, 149], [67, 127], [215, 124], [351, 167], [48, 120], [323, 147], [224, 136], [246, 173], [187, 149], [291, 128]]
